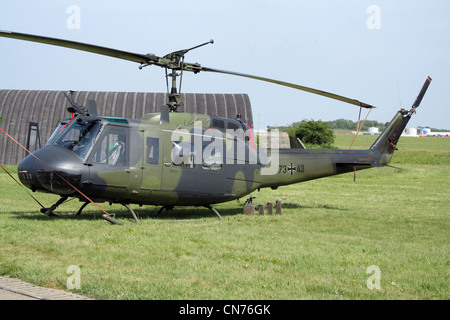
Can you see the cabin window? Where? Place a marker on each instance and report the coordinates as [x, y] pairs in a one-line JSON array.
[[183, 154], [212, 161], [153, 150], [212, 153], [111, 149]]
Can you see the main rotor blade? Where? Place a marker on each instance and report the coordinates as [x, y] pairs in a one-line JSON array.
[[136, 57], [147, 59], [295, 86]]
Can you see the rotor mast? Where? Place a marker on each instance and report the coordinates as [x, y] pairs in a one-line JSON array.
[[174, 97], [175, 62]]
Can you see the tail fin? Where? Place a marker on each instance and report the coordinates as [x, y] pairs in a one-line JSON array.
[[387, 141]]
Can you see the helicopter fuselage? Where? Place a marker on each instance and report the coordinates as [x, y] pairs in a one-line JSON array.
[[188, 160]]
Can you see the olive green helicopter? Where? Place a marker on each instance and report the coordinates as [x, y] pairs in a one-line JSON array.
[[173, 158]]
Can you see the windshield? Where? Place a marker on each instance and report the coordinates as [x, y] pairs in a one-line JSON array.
[[57, 132], [79, 137]]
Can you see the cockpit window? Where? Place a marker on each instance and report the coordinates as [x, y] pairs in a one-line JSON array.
[[62, 125], [79, 137]]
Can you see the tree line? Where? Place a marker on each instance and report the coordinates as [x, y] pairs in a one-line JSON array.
[[313, 134], [341, 124], [344, 124], [320, 133]]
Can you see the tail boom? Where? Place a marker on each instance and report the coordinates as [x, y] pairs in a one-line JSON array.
[[298, 165]]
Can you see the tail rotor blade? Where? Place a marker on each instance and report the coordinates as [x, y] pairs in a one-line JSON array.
[[421, 93]]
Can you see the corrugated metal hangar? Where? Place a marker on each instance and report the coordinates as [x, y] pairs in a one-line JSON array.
[[20, 107]]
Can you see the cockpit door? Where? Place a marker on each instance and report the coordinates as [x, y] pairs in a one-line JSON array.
[[109, 162]]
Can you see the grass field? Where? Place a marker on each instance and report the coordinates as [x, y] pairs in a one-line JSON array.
[[330, 232]]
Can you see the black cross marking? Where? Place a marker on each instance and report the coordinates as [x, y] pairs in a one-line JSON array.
[[291, 169]]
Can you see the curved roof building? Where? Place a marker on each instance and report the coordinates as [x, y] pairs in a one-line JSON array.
[[20, 107]]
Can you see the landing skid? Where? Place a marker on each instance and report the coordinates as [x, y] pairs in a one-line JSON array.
[[111, 217], [49, 211], [113, 220]]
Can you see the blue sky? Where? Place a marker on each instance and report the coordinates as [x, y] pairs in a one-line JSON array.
[[379, 52]]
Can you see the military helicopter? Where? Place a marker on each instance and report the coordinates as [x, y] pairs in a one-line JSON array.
[[172, 158]]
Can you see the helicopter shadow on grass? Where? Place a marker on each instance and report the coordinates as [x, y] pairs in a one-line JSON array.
[[185, 214], [318, 206], [178, 214]]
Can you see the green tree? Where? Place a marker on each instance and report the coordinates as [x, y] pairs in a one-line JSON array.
[[312, 132]]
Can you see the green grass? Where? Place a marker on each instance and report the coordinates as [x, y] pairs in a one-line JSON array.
[[330, 232]]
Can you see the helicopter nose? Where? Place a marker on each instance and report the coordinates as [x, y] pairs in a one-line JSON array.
[[50, 169]]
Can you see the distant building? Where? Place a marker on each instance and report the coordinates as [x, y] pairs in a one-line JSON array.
[[410, 132], [423, 132], [373, 130]]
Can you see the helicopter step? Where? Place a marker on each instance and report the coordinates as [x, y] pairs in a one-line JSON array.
[[215, 211], [82, 207]]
